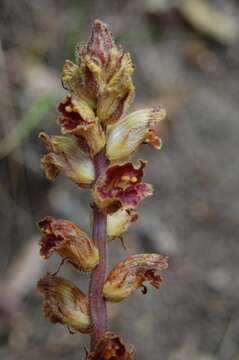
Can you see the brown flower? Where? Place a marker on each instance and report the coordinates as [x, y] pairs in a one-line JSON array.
[[121, 186], [69, 241], [132, 272], [64, 303], [110, 347]]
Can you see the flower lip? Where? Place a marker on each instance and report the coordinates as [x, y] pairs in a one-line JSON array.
[[121, 186], [69, 241]]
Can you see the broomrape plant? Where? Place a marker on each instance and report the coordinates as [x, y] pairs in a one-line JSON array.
[[93, 151]]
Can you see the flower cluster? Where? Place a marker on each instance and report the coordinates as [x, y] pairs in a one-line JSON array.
[[94, 152]]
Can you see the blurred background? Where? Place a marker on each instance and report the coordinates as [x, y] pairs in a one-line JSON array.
[[186, 55]]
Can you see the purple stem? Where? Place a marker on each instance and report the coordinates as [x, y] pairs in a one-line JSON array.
[[98, 312]]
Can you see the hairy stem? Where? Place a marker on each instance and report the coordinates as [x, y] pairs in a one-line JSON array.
[[97, 303]]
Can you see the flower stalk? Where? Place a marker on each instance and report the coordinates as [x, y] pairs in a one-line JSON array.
[[97, 302], [94, 153]]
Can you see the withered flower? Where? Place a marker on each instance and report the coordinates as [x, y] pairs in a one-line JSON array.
[[78, 118], [128, 133], [110, 347], [132, 272], [121, 186], [119, 222], [69, 241], [64, 303], [67, 157]]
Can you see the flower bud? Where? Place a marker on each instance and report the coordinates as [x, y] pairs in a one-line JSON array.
[[132, 272], [78, 119], [119, 222], [67, 157], [127, 134], [69, 241], [64, 303], [110, 347], [121, 186]]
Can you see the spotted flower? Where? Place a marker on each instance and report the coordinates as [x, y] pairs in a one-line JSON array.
[[128, 133], [69, 241], [132, 272], [121, 186], [64, 303], [67, 157]]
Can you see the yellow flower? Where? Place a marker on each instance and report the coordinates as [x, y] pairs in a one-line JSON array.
[[130, 273], [119, 222], [64, 303], [69, 241], [67, 157], [128, 133]]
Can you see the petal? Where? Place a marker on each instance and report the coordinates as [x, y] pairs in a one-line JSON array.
[[69, 241], [121, 186], [77, 118], [64, 303], [67, 157], [130, 273], [139, 127], [119, 222], [110, 347]]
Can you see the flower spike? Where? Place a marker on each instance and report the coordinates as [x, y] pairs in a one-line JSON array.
[[69, 241], [67, 157], [94, 151], [121, 186], [127, 134], [64, 303], [132, 272]]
